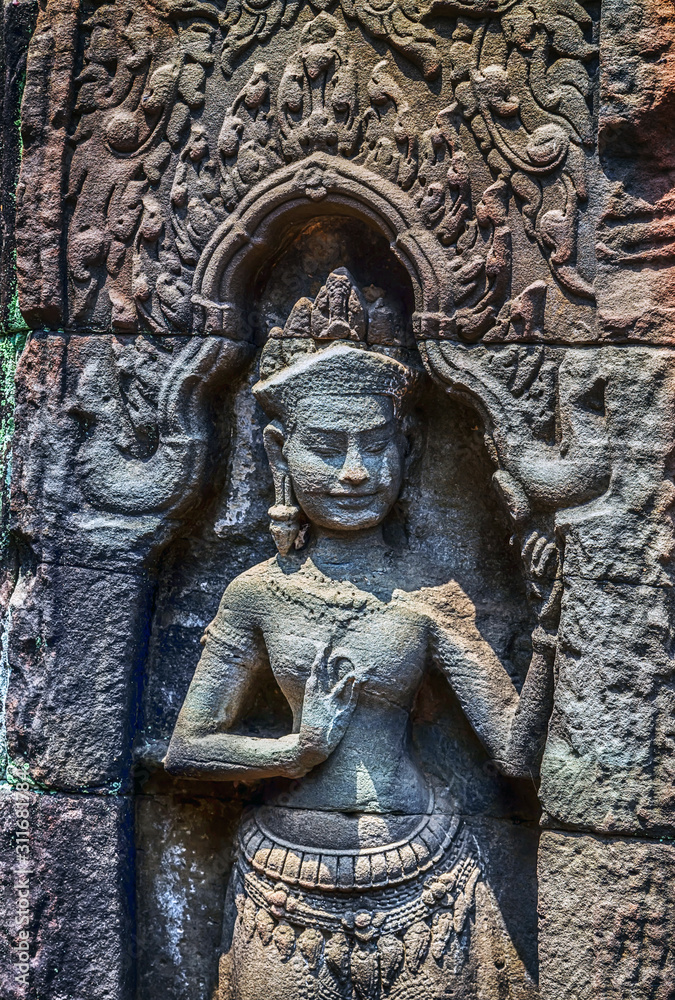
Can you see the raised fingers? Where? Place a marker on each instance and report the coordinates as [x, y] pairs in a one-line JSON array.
[[319, 670]]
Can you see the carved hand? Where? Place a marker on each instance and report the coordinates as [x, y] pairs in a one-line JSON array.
[[329, 702]]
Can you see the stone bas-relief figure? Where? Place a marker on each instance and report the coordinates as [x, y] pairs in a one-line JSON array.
[[356, 878], [508, 166]]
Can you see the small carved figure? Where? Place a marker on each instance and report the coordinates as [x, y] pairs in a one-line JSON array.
[[356, 878]]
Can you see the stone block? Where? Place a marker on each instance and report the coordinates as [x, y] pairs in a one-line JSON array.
[[17, 21], [75, 641], [184, 842], [608, 763], [607, 918], [79, 876], [636, 278]]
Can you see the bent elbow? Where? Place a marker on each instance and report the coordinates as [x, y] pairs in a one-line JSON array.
[[176, 759], [171, 765], [511, 768]]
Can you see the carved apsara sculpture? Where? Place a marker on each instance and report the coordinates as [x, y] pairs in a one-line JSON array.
[[356, 878]]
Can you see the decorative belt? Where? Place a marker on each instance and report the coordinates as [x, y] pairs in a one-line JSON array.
[[349, 870], [363, 916], [367, 893]]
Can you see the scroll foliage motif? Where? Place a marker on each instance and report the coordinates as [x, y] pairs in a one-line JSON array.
[[530, 116], [396, 21], [143, 404], [142, 78], [520, 88]]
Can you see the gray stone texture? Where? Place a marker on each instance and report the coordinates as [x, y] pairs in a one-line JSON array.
[[606, 917], [195, 195], [80, 873], [184, 860]]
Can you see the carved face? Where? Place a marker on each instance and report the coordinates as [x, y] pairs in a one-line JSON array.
[[345, 459]]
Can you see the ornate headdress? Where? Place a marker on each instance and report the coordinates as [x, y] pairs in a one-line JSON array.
[[338, 370], [339, 344]]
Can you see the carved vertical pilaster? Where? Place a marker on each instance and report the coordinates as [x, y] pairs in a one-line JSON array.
[[45, 116]]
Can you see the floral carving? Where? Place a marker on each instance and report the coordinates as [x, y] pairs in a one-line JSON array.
[[530, 115], [244, 23], [520, 75], [247, 145], [317, 99], [141, 78], [397, 22]]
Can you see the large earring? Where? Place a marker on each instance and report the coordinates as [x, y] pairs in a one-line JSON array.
[[285, 521]]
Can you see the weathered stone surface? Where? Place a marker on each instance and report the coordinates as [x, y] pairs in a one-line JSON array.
[[607, 912], [17, 21], [465, 208], [61, 615], [608, 760], [45, 116], [184, 861], [80, 880], [608, 764], [635, 245]]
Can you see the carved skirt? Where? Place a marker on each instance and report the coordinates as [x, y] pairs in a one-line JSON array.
[[362, 919]]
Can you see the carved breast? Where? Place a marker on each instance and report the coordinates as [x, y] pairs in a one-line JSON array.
[[383, 642]]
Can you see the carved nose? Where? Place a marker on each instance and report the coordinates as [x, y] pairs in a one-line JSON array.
[[354, 471]]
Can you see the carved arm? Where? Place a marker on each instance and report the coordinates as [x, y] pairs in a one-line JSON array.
[[202, 744], [532, 472], [168, 480], [512, 728], [231, 667]]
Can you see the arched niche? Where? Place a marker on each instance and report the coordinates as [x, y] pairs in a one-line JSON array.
[[449, 516], [311, 249], [320, 187]]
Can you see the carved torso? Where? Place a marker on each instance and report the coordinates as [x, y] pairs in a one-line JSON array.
[[290, 608]]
